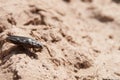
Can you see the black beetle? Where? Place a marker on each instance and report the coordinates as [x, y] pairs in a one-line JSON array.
[[26, 42]]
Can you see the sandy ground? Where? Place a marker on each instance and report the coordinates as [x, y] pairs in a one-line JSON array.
[[83, 37]]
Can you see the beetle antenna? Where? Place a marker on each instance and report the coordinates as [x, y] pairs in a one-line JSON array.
[[48, 50]]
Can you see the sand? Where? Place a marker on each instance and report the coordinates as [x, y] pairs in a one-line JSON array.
[[83, 37]]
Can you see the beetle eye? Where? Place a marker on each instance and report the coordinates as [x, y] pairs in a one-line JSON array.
[[38, 45]]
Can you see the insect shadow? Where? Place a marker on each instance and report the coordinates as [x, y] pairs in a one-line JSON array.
[[6, 54]]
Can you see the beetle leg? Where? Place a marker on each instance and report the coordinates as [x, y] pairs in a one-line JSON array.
[[30, 53], [37, 49], [1, 44]]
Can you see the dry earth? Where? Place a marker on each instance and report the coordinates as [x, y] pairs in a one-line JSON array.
[[83, 37]]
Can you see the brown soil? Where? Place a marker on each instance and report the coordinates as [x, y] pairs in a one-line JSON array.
[[83, 37]]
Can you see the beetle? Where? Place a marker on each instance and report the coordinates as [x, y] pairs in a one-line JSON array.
[[26, 42]]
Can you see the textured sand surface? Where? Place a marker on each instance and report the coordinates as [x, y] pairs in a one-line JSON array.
[[83, 37]]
